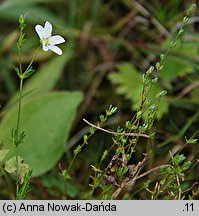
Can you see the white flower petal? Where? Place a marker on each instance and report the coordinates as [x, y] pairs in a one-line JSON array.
[[44, 47], [55, 49], [47, 30], [48, 41], [57, 39], [39, 29]]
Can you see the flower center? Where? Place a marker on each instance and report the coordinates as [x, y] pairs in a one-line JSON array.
[[46, 40]]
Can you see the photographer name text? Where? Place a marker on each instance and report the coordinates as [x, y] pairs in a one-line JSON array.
[[54, 207]]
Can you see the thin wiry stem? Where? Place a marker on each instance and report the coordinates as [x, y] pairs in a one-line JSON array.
[[17, 135], [148, 172], [34, 57], [19, 106], [179, 187]]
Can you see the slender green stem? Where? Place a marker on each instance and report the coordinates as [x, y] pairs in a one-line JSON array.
[[17, 136], [20, 65], [34, 57], [20, 90], [17, 174], [19, 115], [19, 106], [18, 121], [71, 163]]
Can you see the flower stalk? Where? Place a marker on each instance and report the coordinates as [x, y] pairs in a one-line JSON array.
[[18, 136], [48, 42]]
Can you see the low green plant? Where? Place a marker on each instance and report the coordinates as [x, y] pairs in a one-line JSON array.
[[37, 141], [23, 153], [116, 180]]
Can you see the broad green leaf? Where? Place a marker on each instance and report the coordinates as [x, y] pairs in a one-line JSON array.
[[179, 63], [72, 190], [174, 67], [51, 181], [128, 81], [129, 84], [33, 13], [44, 79], [46, 120]]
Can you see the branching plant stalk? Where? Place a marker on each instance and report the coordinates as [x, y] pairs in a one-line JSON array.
[[159, 65], [75, 155], [17, 140]]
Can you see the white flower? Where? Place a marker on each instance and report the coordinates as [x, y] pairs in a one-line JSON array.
[[48, 41]]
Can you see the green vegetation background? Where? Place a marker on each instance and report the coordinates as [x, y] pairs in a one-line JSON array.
[[109, 45]]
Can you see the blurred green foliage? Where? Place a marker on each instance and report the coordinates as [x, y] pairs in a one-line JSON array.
[[110, 44]]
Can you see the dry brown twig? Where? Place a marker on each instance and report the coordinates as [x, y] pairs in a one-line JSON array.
[[128, 182], [148, 172], [133, 172], [115, 133], [147, 14], [188, 88]]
